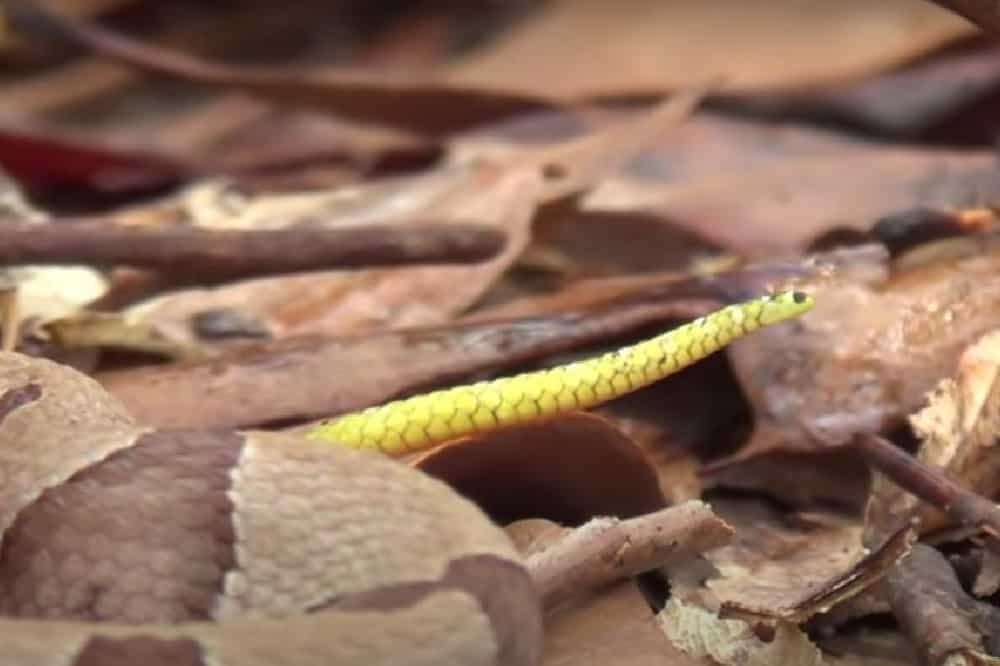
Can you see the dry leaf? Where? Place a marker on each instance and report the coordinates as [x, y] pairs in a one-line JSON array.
[[831, 479], [863, 359], [45, 293], [580, 48], [306, 377], [95, 330], [616, 627], [961, 425], [502, 195], [959, 429], [753, 570], [746, 586], [348, 302], [949, 98], [743, 210], [425, 103], [555, 469]]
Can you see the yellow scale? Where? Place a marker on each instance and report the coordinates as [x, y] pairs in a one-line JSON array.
[[424, 420]]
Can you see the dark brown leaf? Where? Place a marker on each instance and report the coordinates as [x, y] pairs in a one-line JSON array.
[[420, 103], [555, 469]]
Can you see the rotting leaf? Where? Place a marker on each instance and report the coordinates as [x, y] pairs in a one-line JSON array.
[[555, 469], [751, 574], [705, 633], [742, 593], [864, 358], [842, 587]]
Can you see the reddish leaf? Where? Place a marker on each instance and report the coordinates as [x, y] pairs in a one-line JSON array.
[[45, 161]]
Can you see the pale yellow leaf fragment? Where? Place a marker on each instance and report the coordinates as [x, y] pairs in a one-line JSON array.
[[701, 633]]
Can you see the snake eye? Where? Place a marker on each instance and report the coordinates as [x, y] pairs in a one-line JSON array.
[[799, 296]]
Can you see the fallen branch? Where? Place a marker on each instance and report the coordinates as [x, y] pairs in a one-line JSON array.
[[202, 256], [935, 612], [605, 550]]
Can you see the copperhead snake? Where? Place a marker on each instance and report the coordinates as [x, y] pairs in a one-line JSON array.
[[123, 544]]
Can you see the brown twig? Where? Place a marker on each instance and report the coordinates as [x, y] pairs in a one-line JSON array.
[[607, 549], [931, 485], [203, 256], [936, 613], [984, 13]]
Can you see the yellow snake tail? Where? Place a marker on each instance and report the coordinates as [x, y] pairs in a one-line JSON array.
[[428, 419]]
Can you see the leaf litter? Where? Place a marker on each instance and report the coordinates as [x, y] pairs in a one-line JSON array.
[[822, 492]]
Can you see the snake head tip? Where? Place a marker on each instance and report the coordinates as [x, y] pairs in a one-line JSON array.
[[785, 305]]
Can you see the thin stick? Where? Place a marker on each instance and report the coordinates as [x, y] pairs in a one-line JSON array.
[[197, 255], [931, 485], [608, 549]]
